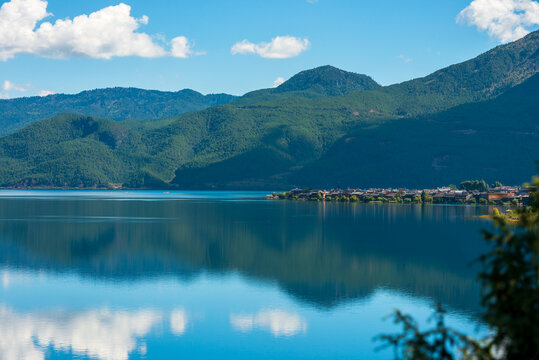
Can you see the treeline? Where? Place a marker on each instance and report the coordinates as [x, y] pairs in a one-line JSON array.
[[402, 198], [478, 185]]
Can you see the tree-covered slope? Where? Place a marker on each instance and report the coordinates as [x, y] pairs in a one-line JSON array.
[[71, 150], [497, 139], [112, 103], [430, 130], [297, 131], [322, 81], [488, 75]]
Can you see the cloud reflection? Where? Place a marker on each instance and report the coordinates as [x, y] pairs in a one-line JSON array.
[[178, 321], [101, 334], [278, 322]]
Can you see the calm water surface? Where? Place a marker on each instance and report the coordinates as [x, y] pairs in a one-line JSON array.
[[227, 275]]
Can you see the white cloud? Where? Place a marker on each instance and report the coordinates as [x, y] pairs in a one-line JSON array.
[[280, 47], [178, 322], [103, 34], [100, 334], [406, 59], [278, 82], [10, 86], [506, 20], [278, 322], [180, 47], [45, 93], [312, 1]]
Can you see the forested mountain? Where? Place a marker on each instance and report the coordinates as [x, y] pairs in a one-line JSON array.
[[322, 81], [113, 103], [324, 127], [303, 130], [493, 139]]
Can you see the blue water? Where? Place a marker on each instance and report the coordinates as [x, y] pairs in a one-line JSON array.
[[203, 275]]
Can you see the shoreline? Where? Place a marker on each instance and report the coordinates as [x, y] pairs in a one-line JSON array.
[[510, 196]]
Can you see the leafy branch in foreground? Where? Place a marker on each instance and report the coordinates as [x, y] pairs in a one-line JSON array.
[[437, 343], [510, 279], [510, 296]]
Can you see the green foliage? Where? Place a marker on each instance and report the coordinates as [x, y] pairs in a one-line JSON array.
[[491, 140], [483, 201], [510, 296], [474, 185], [314, 83], [437, 343], [409, 134], [425, 198], [113, 103], [510, 278]]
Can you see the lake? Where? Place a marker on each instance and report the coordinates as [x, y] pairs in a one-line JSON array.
[[229, 275]]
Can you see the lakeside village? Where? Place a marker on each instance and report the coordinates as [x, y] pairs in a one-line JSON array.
[[465, 194]]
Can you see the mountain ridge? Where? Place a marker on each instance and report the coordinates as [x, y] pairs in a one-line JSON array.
[[276, 141], [321, 81], [116, 103], [333, 80]]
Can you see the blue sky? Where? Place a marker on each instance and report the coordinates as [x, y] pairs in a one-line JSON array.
[[188, 44]]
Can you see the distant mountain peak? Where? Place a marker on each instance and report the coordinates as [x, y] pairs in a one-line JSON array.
[[329, 80]]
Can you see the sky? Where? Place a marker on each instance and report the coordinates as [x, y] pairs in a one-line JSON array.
[[236, 46]]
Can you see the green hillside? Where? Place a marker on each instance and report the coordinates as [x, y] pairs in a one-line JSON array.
[[70, 150], [474, 119], [491, 140], [112, 103], [314, 83], [496, 140], [295, 132]]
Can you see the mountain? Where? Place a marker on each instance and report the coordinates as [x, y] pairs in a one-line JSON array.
[[497, 139], [486, 76], [298, 132], [70, 150], [329, 81], [113, 103], [493, 139], [474, 119], [322, 81]]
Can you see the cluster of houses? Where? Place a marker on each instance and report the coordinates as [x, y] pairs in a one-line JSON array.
[[444, 195]]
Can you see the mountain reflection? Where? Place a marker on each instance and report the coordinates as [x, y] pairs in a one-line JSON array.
[[319, 253]]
